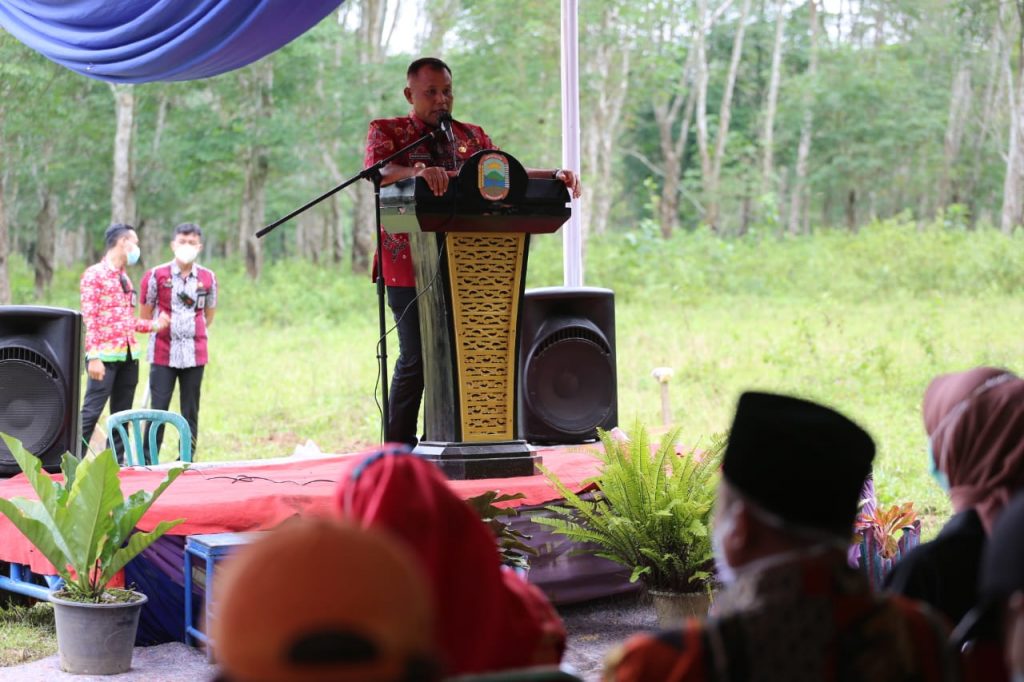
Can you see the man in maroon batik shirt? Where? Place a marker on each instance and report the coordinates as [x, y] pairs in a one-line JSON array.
[[429, 91]]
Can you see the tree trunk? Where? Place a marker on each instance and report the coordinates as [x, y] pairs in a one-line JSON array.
[[372, 16], [253, 210], [851, 210], [608, 71], [771, 105], [797, 198], [701, 83], [364, 242], [1013, 183], [122, 192], [46, 242], [712, 181], [5, 249], [440, 18], [336, 231], [260, 82], [959, 106], [987, 126], [5, 274]]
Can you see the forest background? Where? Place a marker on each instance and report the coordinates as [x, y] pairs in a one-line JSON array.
[[819, 198]]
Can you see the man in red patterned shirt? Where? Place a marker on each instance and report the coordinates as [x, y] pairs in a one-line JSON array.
[[108, 310], [429, 91]]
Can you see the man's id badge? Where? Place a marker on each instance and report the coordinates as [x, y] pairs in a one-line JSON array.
[[200, 299], [135, 299], [419, 157]]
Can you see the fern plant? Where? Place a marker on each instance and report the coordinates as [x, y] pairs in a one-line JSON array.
[[651, 511]]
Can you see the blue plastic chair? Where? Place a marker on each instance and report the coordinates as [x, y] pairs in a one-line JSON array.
[[134, 455]]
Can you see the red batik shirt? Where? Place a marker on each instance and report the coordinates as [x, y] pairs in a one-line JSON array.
[[108, 310], [185, 298], [386, 135]]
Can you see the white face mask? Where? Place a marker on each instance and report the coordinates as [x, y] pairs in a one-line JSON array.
[[186, 253]]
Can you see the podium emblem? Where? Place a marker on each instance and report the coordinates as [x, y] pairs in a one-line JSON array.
[[493, 176]]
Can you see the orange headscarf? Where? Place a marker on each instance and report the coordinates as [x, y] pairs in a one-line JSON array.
[[487, 618], [975, 420], [318, 600]]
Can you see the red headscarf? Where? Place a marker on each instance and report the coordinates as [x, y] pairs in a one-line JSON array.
[[487, 618], [975, 420]]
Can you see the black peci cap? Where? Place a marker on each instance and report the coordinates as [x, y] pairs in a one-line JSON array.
[[801, 461]]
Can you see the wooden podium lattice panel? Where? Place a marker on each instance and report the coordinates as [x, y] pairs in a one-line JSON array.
[[486, 272]]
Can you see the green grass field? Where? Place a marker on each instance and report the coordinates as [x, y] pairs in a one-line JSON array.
[[862, 322]]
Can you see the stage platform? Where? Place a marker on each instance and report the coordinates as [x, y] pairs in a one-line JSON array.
[[237, 496]]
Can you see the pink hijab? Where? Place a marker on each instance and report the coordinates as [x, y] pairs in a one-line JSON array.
[[975, 420]]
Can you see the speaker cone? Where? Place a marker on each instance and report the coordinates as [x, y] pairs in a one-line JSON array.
[[32, 400], [567, 379]]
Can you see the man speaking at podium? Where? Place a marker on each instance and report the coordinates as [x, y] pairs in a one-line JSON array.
[[429, 91]]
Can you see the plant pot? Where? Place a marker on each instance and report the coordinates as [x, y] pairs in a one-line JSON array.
[[675, 607], [96, 639]]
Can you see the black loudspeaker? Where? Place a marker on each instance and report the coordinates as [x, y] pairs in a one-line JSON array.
[[40, 383], [566, 364]]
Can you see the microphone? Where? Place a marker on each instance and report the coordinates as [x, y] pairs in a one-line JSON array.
[[444, 122]]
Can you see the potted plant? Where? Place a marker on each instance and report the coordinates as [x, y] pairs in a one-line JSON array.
[[85, 526], [882, 536], [650, 511]]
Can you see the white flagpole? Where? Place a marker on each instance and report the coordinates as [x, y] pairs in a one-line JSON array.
[[572, 234]]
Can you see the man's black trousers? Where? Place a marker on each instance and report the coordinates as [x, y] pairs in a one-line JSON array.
[[118, 385], [407, 381], [161, 387]]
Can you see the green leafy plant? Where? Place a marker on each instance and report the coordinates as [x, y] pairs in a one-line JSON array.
[[651, 511], [83, 525], [511, 543]]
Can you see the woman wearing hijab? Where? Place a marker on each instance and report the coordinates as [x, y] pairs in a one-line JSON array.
[[975, 426], [486, 618]]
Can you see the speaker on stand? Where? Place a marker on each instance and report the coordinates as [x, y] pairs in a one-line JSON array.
[[40, 383], [567, 379]]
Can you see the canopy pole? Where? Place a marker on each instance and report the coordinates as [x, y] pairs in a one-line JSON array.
[[572, 233]]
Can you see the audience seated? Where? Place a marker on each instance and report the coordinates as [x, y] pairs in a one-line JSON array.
[[975, 425], [317, 600], [487, 618], [992, 633], [791, 608]]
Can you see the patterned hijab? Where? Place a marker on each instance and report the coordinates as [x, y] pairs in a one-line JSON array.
[[975, 422]]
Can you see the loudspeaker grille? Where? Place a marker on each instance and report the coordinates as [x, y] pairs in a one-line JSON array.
[[32, 400]]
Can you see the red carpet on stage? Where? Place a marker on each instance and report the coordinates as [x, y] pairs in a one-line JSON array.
[[246, 496]]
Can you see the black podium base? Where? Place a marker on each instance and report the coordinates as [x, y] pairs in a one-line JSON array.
[[465, 461]]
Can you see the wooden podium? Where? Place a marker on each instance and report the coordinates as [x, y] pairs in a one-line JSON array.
[[470, 249]]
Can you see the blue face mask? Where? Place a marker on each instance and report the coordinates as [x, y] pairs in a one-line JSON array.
[[933, 468], [133, 255]]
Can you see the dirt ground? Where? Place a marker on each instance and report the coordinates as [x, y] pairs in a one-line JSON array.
[[593, 628]]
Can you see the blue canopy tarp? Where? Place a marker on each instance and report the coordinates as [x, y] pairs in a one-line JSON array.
[[138, 41]]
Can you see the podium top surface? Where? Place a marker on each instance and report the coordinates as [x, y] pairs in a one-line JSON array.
[[490, 194]]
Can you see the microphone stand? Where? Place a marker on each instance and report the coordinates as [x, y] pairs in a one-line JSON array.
[[371, 173]]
